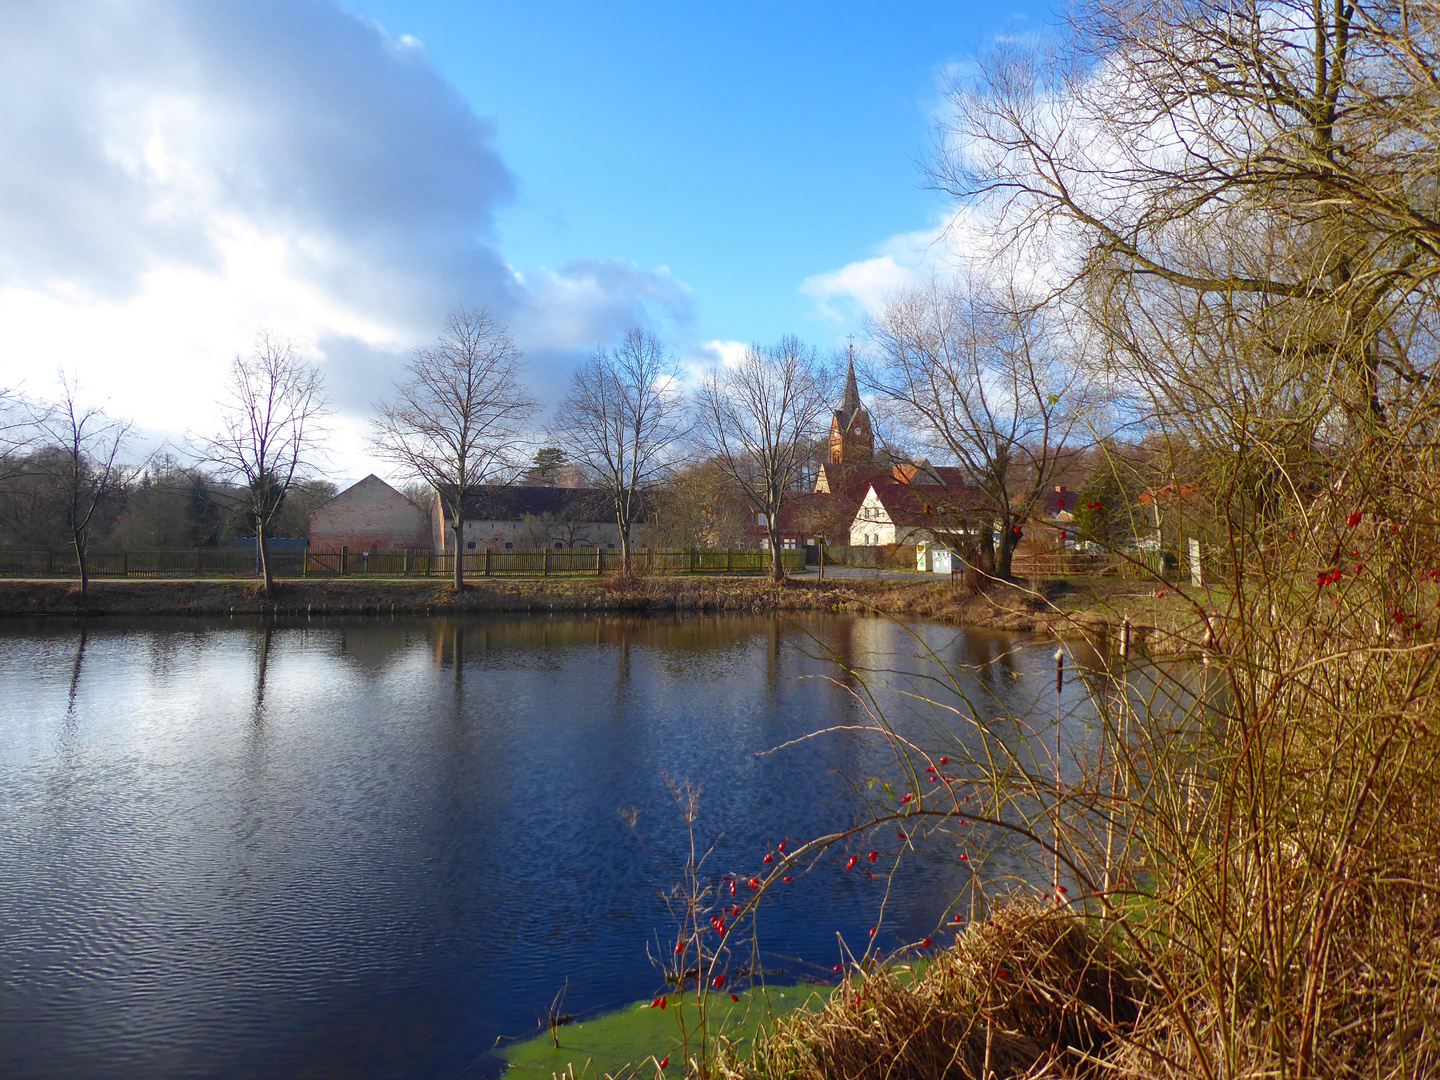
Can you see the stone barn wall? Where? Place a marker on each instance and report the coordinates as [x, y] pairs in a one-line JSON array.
[[370, 516]]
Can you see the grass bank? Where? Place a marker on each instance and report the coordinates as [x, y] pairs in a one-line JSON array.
[[1086, 607]]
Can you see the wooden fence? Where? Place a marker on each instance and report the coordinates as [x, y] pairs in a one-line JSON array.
[[244, 562], [1072, 563]]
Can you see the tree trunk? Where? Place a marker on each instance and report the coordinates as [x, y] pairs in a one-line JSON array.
[[777, 568], [458, 525], [625, 549], [1005, 555], [84, 570], [986, 546], [262, 545]]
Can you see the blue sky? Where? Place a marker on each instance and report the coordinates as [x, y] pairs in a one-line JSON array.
[[747, 147], [177, 175]]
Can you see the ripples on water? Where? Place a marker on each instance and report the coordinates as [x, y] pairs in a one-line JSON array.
[[368, 847]]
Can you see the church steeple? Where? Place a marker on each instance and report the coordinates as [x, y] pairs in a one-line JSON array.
[[851, 403], [851, 440]]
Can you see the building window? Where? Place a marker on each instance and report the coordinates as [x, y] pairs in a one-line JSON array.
[[470, 546], [558, 545], [788, 543], [509, 546], [760, 520]]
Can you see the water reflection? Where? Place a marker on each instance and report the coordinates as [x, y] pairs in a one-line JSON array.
[[368, 847]]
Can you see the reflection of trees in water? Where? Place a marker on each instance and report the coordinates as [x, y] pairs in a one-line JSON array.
[[76, 670], [262, 667]]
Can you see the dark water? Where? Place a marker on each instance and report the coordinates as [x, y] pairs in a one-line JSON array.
[[369, 847]]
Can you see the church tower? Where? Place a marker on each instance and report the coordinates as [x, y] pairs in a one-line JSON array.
[[852, 442]]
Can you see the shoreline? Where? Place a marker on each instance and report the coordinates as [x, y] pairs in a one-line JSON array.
[[1085, 609]]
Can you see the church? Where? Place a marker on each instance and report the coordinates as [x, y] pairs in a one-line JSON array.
[[872, 506]]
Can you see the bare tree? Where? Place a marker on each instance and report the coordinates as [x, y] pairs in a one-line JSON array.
[[84, 464], [985, 381], [459, 419], [620, 420], [696, 506], [17, 432], [270, 431], [758, 418]]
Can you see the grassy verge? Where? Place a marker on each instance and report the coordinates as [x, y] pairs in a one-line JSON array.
[[634, 1039]]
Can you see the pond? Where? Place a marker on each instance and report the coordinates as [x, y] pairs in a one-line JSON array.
[[370, 847]]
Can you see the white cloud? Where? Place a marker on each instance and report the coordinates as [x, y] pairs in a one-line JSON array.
[[178, 175], [705, 356], [905, 260]]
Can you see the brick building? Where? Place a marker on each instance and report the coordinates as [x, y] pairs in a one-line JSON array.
[[369, 516]]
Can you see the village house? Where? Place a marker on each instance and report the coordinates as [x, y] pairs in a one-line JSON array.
[[898, 510], [369, 516], [523, 517]]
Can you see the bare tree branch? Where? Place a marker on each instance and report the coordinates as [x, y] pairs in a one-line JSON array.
[[622, 417], [758, 419], [270, 431], [459, 419]]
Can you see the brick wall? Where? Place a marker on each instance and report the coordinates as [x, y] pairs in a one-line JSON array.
[[370, 516]]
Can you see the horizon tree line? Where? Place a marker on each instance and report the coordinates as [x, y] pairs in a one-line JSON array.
[[461, 417]]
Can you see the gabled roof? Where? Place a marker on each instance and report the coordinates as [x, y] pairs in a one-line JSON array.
[[370, 481], [934, 505]]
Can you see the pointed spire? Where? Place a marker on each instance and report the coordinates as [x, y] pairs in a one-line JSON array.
[[851, 405]]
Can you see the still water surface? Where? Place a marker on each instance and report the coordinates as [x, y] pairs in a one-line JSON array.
[[367, 848]]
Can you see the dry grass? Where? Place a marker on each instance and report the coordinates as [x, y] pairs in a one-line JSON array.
[[1026, 993]]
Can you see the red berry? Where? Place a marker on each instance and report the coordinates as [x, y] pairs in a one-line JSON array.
[[850, 863]]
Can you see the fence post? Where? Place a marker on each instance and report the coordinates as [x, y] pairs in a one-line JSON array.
[[545, 563], [344, 560], [124, 564], [487, 562], [405, 563], [599, 562], [49, 563]]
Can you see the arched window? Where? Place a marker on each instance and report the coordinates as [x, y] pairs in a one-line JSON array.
[[558, 545]]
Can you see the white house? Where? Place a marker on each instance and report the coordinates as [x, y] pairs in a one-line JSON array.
[[907, 513]]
